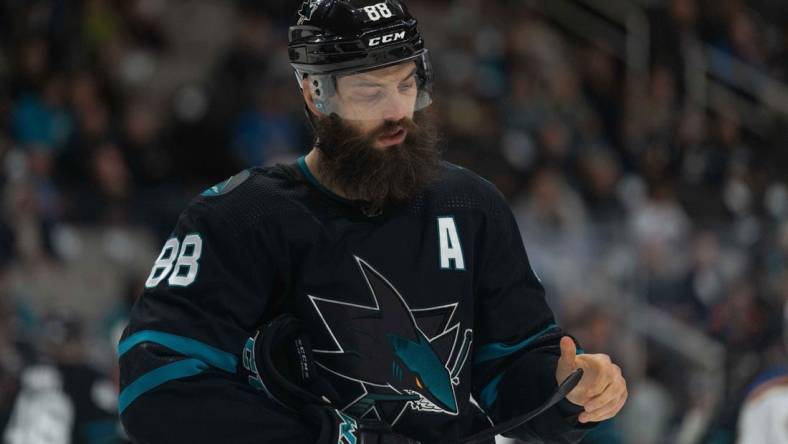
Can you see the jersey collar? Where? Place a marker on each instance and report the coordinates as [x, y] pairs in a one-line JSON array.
[[313, 180]]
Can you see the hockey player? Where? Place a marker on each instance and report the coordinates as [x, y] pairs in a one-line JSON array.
[[763, 418], [368, 293], [764, 415]]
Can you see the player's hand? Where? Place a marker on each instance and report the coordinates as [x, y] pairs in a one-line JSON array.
[[602, 391]]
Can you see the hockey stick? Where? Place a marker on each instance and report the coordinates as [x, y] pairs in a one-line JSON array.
[[569, 383]]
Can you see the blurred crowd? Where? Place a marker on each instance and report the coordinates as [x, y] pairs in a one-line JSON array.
[[113, 114]]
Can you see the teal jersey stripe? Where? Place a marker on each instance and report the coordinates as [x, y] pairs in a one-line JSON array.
[[499, 350], [490, 392], [216, 189], [155, 378], [183, 345]]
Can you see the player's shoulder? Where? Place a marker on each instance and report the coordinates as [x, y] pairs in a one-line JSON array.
[[767, 381], [247, 198], [459, 187], [457, 180]]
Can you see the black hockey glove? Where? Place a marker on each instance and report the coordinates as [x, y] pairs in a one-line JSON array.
[[278, 361]]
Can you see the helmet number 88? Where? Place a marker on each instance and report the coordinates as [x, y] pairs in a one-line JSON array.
[[378, 11]]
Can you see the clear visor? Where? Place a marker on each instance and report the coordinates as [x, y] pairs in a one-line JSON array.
[[388, 93]]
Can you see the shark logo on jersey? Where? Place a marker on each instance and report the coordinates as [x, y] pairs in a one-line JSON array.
[[403, 358]]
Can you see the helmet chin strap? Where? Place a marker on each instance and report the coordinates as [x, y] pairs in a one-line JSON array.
[[310, 117]]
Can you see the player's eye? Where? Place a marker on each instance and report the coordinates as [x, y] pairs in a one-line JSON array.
[[372, 97], [367, 93], [418, 383], [407, 86], [369, 97]]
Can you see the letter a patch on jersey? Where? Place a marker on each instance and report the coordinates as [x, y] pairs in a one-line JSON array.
[[449, 242]]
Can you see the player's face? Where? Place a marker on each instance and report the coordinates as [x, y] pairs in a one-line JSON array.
[[370, 100]]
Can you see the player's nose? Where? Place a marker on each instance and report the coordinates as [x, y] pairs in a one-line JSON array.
[[397, 108]]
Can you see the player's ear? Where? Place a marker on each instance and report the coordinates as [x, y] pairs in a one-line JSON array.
[[309, 98]]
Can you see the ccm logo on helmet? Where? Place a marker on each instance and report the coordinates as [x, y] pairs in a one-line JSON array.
[[387, 38]]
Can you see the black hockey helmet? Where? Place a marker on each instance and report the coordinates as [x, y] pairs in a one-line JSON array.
[[336, 38]]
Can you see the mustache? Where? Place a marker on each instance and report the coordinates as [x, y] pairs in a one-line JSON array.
[[389, 126], [384, 129]]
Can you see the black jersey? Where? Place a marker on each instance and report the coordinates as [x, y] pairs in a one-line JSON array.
[[411, 313]]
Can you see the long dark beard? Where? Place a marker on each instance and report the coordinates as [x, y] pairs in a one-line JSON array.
[[381, 177]]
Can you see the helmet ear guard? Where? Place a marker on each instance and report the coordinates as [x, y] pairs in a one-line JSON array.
[[322, 90]]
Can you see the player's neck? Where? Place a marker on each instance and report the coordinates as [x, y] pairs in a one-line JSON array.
[[313, 163]]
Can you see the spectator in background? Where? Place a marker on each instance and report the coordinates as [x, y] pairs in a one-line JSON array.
[[32, 65], [101, 28], [672, 30], [149, 161], [742, 37], [660, 227], [600, 87], [42, 122], [652, 115], [112, 185], [92, 129], [62, 399], [12, 358], [242, 74], [552, 219], [141, 25], [29, 224], [600, 173]]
